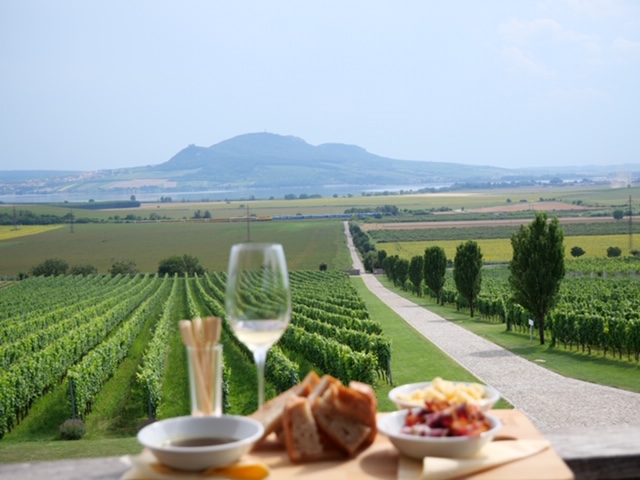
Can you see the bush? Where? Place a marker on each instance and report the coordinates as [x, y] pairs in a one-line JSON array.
[[577, 252], [50, 268], [613, 252], [72, 429]]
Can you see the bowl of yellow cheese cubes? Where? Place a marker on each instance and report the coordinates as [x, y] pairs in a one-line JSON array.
[[413, 395]]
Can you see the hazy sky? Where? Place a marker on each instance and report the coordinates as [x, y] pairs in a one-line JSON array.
[[110, 84]]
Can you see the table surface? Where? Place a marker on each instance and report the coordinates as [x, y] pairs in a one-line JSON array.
[[378, 461]]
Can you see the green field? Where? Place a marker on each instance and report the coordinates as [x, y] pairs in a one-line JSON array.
[[118, 410], [307, 244], [498, 250], [598, 197]]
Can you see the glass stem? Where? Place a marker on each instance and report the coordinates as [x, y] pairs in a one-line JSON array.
[[260, 358]]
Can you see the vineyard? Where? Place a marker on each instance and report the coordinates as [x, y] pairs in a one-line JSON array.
[[598, 308], [77, 330]]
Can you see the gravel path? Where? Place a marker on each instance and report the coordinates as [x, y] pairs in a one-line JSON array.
[[550, 400]]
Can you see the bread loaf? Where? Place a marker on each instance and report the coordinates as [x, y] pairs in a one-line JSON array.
[[303, 440], [270, 414], [322, 419], [345, 415]]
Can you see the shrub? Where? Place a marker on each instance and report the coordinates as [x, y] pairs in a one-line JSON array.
[[613, 252], [577, 252], [72, 429]]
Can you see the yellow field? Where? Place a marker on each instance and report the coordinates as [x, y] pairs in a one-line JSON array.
[[9, 232], [499, 250]]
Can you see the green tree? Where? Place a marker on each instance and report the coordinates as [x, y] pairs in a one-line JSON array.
[[435, 268], [185, 265], [123, 266], [389, 266], [50, 267], [537, 267], [402, 272], [577, 252], [618, 214], [370, 261], [382, 254], [416, 273], [613, 252], [467, 272], [83, 270]]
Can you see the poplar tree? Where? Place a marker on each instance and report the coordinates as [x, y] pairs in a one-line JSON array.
[[467, 272], [416, 273], [435, 268], [537, 267]]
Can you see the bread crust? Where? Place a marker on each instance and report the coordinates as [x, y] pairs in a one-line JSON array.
[[270, 414], [321, 419], [302, 439], [346, 416]]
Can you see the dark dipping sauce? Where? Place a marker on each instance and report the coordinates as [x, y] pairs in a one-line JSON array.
[[200, 441]]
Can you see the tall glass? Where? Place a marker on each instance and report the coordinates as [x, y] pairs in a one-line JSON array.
[[258, 299]]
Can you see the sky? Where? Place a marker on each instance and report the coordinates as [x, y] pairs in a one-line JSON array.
[[124, 83]]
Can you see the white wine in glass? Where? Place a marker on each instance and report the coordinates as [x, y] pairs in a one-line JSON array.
[[258, 299]]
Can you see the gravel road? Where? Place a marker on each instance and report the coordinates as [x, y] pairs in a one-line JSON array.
[[550, 400]]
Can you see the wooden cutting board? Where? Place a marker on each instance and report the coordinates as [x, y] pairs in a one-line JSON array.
[[381, 459]]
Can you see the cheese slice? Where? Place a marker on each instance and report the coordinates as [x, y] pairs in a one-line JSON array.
[[492, 455]]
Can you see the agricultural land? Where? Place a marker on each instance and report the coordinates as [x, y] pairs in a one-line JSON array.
[[132, 319]]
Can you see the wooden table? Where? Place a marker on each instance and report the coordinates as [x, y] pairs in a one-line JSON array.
[[380, 461]]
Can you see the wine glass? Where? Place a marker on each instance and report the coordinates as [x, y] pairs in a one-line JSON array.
[[258, 299]]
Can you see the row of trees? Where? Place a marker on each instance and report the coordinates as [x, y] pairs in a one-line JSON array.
[[175, 265], [535, 271], [431, 269]]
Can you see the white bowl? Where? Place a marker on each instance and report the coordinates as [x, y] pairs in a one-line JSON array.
[[418, 447], [489, 399], [158, 436]]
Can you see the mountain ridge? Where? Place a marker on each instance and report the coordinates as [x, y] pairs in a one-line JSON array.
[[268, 160]]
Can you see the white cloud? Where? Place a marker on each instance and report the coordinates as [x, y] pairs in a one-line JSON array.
[[627, 47], [522, 62]]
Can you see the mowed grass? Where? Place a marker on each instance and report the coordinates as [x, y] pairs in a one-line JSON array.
[[500, 250], [307, 244]]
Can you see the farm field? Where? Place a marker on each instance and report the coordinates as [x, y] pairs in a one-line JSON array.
[[147, 243], [500, 251], [118, 406], [574, 360], [579, 199], [307, 244], [9, 233]]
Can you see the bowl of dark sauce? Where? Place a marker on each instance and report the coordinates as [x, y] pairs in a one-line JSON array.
[[199, 443]]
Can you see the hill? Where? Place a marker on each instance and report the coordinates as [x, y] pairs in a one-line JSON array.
[[269, 160], [266, 160]]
